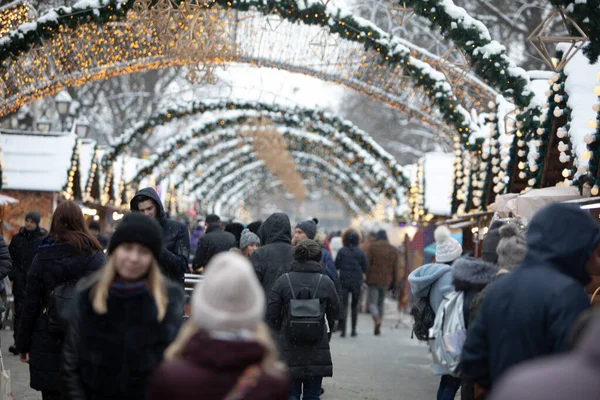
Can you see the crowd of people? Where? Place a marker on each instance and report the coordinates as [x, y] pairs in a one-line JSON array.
[[100, 318]]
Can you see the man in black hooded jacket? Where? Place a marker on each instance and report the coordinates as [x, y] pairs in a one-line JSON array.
[[176, 237], [275, 256], [214, 241], [530, 313]]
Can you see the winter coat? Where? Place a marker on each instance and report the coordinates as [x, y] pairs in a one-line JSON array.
[[210, 368], [305, 360], [214, 241], [274, 257], [382, 259], [328, 264], [112, 356], [335, 245], [351, 261], [197, 233], [434, 280], [54, 264], [471, 276], [23, 248], [103, 240], [570, 376], [5, 260], [176, 239], [529, 313]]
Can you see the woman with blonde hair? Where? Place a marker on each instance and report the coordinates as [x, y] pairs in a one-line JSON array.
[[125, 317], [69, 253], [224, 351]]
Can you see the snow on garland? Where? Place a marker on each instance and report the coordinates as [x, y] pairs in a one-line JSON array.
[[352, 28], [488, 57], [584, 13]]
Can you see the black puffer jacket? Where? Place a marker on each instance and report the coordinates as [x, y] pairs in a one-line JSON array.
[[304, 360], [274, 257], [23, 248], [530, 312], [176, 238], [351, 261], [112, 356], [5, 261], [54, 264], [215, 241]]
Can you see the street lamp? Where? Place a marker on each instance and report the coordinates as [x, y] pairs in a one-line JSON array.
[[43, 125], [82, 127], [63, 101]]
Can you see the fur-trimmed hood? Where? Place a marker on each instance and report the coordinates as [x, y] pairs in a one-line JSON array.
[[351, 237], [472, 274]]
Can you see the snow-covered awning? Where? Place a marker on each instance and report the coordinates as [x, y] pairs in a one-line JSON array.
[[4, 200], [439, 182], [35, 161]]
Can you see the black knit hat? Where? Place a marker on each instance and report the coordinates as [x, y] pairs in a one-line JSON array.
[[137, 228], [34, 216], [490, 242], [307, 250], [309, 227]]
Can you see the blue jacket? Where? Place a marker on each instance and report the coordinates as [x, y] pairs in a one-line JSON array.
[[351, 261], [531, 312], [329, 265]]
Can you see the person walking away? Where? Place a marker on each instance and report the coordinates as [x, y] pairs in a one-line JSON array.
[[125, 317], [175, 254], [23, 248], [254, 226], [307, 230], [336, 244], [96, 230], [382, 259], [274, 257], [225, 344], [432, 282], [69, 253], [236, 229], [214, 241], [529, 313], [352, 264], [573, 375], [196, 234], [249, 242], [303, 342]]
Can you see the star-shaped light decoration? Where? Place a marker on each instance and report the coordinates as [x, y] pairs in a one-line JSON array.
[[455, 65], [323, 44], [544, 40], [401, 14]]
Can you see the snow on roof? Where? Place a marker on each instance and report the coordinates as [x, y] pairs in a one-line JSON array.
[[37, 162], [579, 85], [439, 182], [539, 86], [4, 200]]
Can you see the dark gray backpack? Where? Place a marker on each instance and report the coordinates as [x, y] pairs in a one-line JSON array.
[[306, 317]]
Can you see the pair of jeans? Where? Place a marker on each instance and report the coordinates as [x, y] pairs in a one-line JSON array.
[[310, 389], [376, 300], [449, 386], [355, 293]]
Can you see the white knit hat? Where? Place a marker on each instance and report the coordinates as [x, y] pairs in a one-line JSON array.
[[230, 298], [447, 249]]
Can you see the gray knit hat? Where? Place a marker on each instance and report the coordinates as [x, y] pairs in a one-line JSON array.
[[512, 247], [248, 238]]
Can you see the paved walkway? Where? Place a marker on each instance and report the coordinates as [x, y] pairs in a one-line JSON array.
[[389, 367]]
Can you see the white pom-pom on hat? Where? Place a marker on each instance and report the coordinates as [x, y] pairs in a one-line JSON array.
[[442, 233]]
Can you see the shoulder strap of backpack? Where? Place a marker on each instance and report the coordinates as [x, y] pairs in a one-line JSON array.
[[317, 287], [291, 287]]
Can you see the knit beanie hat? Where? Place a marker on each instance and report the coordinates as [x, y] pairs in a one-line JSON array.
[[230, 298], [34, 216], [308, 227], [512, 248], [307, 250], [137, 228], [490, 243], [248, 238], [447, 249]]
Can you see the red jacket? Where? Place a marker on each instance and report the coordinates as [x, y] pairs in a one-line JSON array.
[[209, 370]]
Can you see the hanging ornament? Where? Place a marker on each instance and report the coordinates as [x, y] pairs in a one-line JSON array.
[[400, 14], [455, 65]]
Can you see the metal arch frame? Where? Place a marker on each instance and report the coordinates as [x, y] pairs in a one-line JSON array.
[[245, 186], [397, 45], [191, 141], [225, 177]]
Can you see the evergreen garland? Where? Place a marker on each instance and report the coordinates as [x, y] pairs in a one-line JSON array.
[[585, 14]]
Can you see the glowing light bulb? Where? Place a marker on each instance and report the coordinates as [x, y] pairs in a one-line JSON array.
[[597, 90], [595, 190], [592, 124], [566, 173]]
